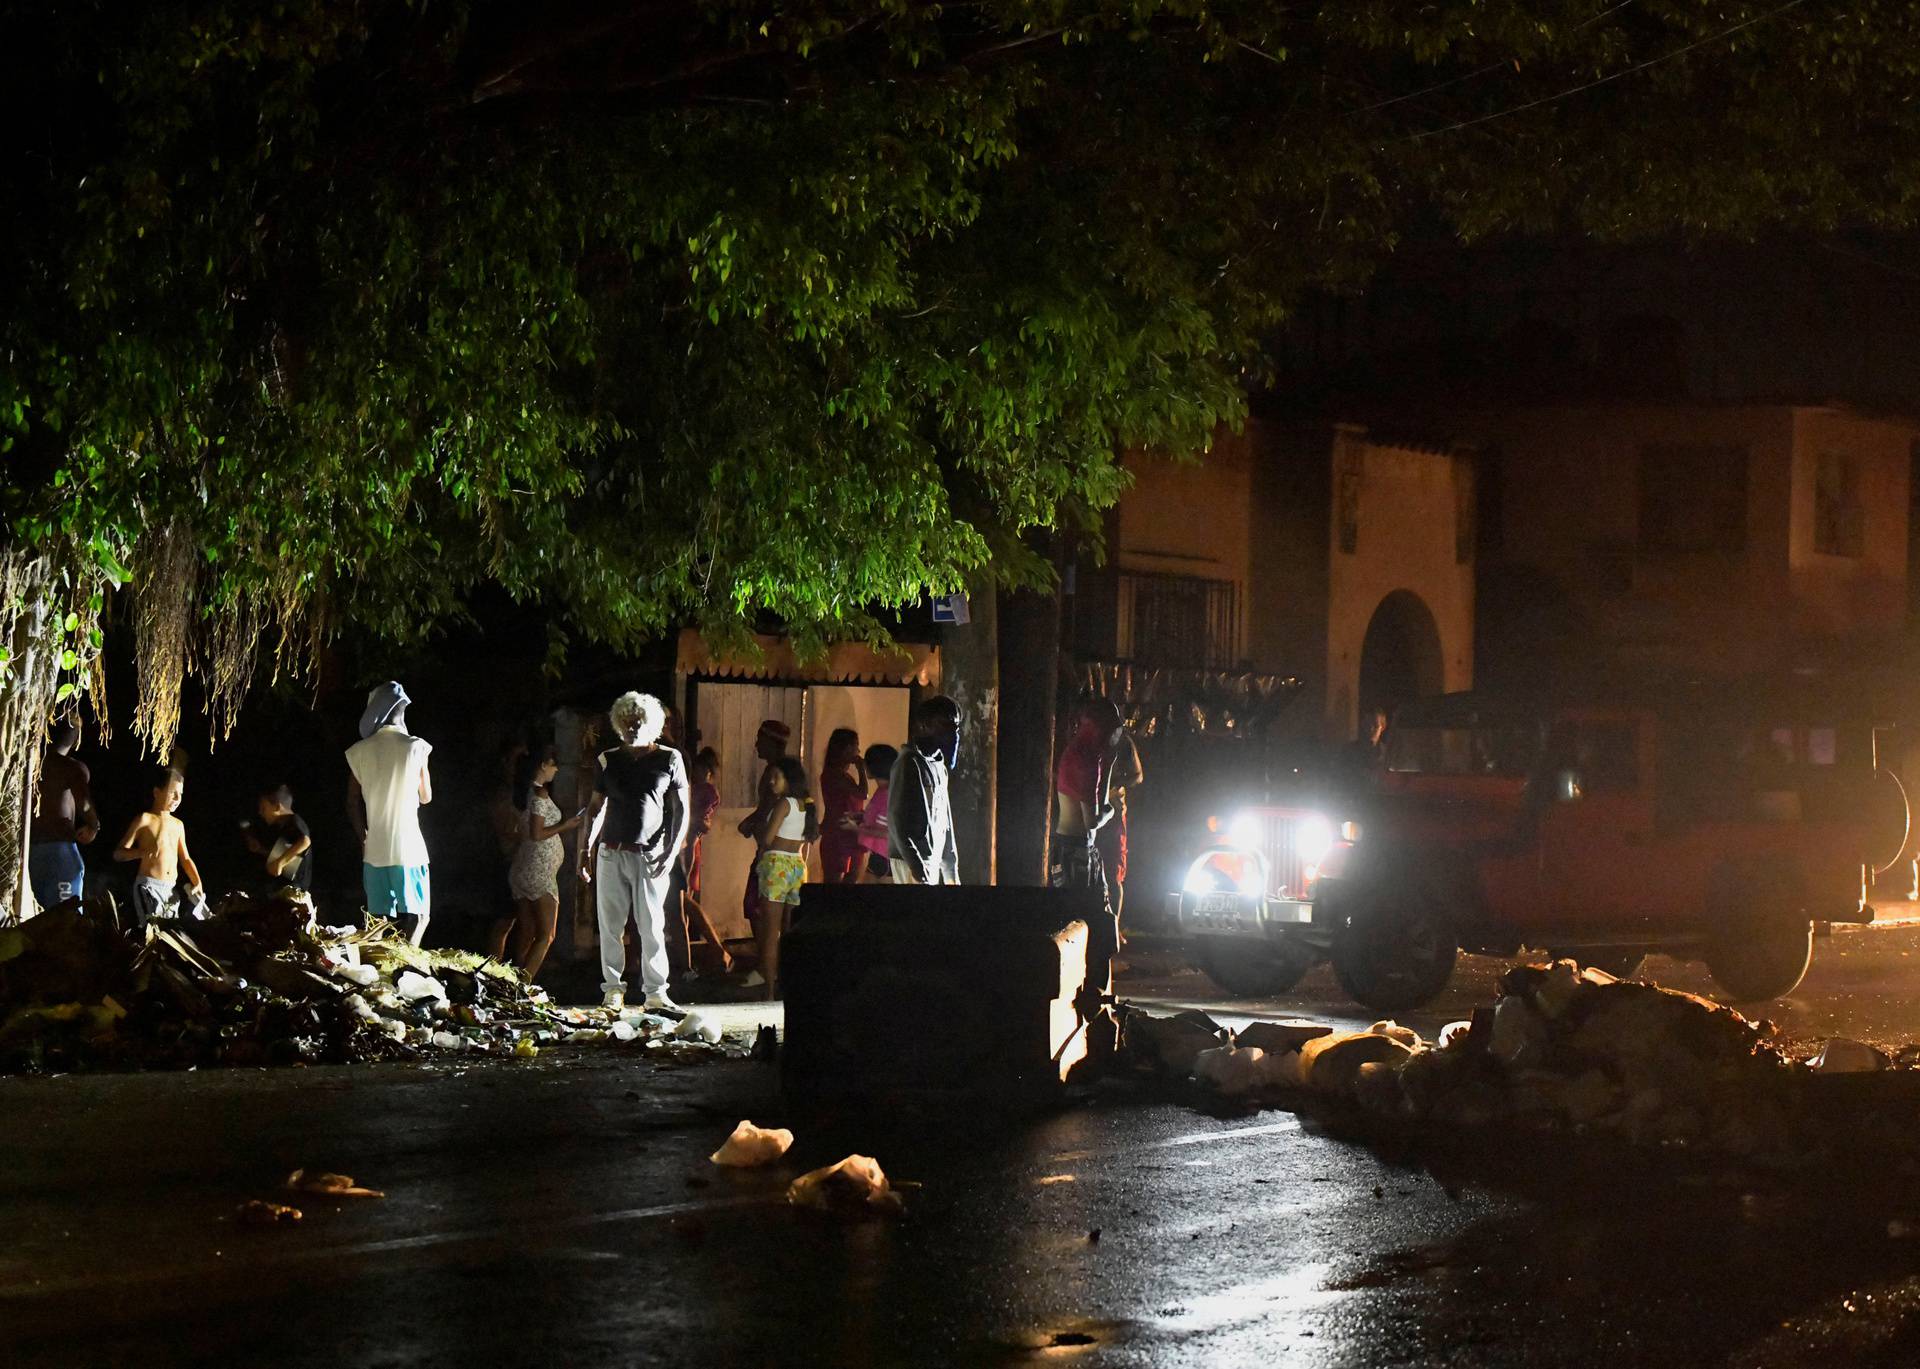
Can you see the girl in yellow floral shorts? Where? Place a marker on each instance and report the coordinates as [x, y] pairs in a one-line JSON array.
[[792, 826]]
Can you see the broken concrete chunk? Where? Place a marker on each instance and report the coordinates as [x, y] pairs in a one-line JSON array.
[[1279, 1037], [750, 1146], [1170, 1043], [1555, 992], [1376, 1087], [1393, 1031], [1843, 1056], [1330, 1064], [1520, 1035]]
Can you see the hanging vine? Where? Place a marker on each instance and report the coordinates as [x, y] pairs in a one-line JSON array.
[[51, 597], [165, 604]]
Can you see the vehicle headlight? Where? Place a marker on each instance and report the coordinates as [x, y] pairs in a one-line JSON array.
[[1245, 830], [1313, 839], [1218, 872]]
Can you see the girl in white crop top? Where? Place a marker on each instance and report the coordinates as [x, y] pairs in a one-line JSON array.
[[782, 865]]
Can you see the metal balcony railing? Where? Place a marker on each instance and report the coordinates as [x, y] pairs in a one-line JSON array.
[[1178, 620]]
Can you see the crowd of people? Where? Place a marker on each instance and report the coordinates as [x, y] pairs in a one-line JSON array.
[[874, 814]]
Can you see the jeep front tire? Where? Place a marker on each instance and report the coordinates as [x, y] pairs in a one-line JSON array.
[[1393, 947]]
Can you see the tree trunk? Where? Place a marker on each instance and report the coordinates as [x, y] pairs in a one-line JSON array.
[[970, 675], [1030, 671]]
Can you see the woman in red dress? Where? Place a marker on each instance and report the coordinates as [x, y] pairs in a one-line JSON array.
[[843, 797]]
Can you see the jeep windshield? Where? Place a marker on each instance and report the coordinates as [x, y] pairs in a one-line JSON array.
[[1509, 750]]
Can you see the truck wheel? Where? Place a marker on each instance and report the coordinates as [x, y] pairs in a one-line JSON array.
[[1254, 971], [1392, 949], [1764, 960]]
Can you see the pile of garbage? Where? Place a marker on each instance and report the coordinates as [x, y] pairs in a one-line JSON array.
[[1564, 1047], [258, 982]]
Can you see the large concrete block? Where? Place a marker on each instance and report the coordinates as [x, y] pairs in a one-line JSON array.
[[893, 990]]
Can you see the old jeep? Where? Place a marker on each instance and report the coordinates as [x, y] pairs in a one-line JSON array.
[[1708, 824]]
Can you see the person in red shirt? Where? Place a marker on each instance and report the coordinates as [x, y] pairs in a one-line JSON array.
[[1081, 807], [843, 798]]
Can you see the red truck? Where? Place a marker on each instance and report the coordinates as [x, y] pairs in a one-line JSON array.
[[1701, 823]]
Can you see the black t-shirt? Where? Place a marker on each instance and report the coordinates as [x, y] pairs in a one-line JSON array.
[[643, 793], [299, 871]]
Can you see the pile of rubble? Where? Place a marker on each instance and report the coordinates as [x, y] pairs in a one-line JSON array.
[[259, 983], [1564, 1047]]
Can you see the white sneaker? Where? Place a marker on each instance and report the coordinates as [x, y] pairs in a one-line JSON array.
[[659, 1002], [613, 1000]]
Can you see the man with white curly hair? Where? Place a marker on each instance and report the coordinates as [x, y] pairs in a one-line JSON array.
[[636, 823]]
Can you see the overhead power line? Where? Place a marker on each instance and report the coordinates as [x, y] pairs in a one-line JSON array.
[[1502, 65], [1603, 80]]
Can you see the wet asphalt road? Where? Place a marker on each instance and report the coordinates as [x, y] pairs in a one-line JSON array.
[[563, 1213]]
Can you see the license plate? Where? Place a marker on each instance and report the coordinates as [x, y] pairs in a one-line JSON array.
[[1217, 903]]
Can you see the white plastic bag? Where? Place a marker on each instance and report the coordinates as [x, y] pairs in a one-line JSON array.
[[414, 987], [698, 1026], [855, 1185], [1231, 1071]]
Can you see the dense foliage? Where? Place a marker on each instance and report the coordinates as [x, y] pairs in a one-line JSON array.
[[326, 311]]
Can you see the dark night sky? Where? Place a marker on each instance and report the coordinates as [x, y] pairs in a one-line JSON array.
[[1798, 319]]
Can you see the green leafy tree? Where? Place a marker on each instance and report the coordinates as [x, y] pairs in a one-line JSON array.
[[327, 311]]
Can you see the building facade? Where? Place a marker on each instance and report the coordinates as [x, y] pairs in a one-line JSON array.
[[1326, 553], [1718, 539]]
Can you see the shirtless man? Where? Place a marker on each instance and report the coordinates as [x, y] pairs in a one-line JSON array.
[[1081, 802], [63, 822], [158, 840]]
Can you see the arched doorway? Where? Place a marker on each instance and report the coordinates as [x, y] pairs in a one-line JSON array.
[[1400, 658]]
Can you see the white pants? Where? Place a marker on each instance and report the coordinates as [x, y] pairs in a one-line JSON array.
[[903, 873], [623, 889]]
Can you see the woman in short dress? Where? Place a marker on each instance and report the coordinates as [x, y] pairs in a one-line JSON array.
[[843, 798], [792, 826], [533, 877]]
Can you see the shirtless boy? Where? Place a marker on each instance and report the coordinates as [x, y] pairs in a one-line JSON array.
[[158, 840]]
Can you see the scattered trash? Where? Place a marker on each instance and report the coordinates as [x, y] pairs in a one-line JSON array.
[[260, 983], [1563, 1047], [257, 1212], [333, 1185], [750, 1146], [854, 1185]]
